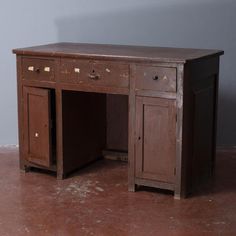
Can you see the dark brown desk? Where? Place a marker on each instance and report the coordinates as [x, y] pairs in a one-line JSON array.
[[159, 104]]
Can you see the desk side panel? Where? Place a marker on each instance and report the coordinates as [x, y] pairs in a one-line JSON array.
[[20, 110], [199, 121]]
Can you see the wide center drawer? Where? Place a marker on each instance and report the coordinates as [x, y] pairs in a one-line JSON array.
[[94, 73], [156, 78], [39, 69]]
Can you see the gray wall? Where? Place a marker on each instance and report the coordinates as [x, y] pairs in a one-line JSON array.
[[175, 23]]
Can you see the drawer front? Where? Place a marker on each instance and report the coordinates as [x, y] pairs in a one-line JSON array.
[[38, 69], [107, 74], [156, 78]]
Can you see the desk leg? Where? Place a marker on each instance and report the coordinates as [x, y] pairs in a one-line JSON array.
[[215, 116], [180, 191], [131, 137], [60, 169], [60, 176], [23, 168], [131, 146]]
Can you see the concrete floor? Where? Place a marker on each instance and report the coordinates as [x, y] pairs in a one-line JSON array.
[[95, 201]]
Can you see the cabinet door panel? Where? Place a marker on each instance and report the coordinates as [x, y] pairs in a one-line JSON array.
[[37, 139], [156, 134]]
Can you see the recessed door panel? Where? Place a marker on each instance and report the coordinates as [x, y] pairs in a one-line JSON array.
[[155, 145], [37, 135]]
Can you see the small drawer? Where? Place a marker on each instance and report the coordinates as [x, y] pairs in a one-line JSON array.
[[156, 78], [38, 69], [94, 73]]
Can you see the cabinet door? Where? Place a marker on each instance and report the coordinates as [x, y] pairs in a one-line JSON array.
[[156, 139], [36, 132]]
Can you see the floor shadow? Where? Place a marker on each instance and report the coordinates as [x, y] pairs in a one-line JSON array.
[[223, 181]]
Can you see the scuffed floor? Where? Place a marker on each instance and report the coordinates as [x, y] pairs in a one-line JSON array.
[[95, 201]]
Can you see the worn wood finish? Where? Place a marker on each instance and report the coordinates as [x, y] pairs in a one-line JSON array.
[[95, 89], [203, 142], [151, 93], [159, 103], [155, 139], [59, 136], [155, 78], [20, 113], [154, 184], [132, 133], [199, 124], [38, 69], [95, 73], [37, 129], [180, 187], [119, 52], [117, 122]]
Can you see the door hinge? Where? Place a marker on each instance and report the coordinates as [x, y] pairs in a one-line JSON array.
[[174, 171]]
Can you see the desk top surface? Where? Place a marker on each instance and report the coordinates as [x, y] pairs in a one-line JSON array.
[[124, 52]]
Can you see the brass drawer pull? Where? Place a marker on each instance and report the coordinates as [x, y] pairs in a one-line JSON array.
[[94, 77]]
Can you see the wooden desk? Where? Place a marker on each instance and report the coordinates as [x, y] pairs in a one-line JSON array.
[[68, 93]]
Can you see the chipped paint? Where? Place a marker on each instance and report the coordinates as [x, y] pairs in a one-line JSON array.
[[77, 70], [47, 69], [99, 189], [80, 189]]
